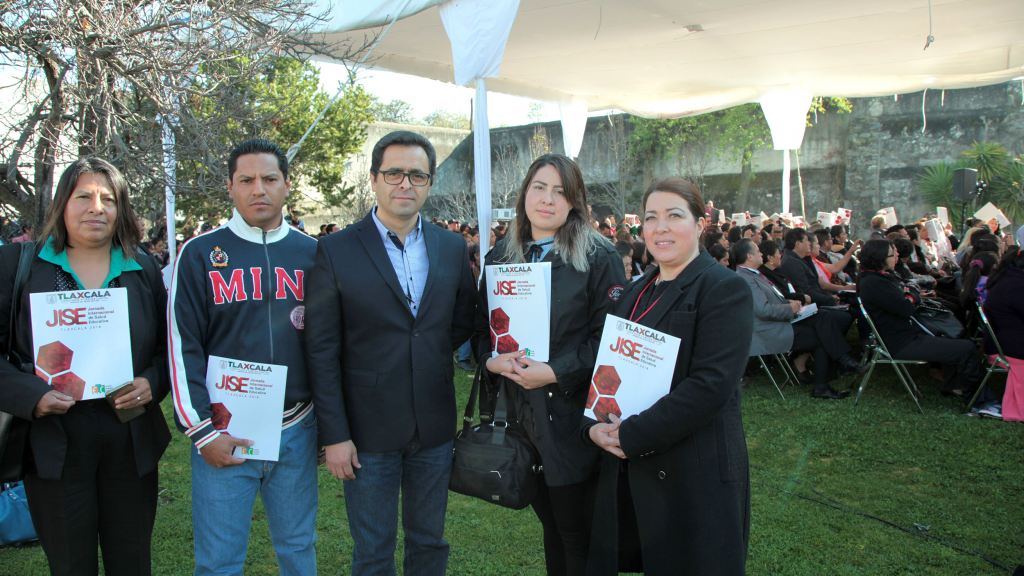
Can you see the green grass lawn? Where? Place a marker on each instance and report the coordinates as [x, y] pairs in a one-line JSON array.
[[962, 476]]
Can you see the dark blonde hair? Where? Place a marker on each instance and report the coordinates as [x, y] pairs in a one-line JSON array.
[[126, 232], [575, 239]]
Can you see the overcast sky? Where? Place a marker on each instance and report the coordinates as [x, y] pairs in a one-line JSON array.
[[426, 96]]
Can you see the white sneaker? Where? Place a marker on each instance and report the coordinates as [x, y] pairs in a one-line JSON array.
[[991, 412]]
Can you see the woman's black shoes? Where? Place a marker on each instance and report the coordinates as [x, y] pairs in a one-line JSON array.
[[848, 366], [802, 376], [830, 394]]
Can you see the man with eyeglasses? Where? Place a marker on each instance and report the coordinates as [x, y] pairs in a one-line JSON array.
[[389, 300]]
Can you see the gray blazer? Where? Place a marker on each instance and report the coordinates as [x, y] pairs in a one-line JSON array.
[[773, 334]]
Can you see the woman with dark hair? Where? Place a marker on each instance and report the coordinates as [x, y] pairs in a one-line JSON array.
[[87, 474], [772, 257], [719, 253], [735, 235], [840, 239], [891, 304], [674, 489], [552, 225], [975, 278], [1005, 310]]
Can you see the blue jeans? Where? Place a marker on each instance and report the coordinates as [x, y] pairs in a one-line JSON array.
[[223, 499], [372, 502], [465, 352]]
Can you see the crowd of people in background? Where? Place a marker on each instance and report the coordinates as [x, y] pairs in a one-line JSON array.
[[375, 371]]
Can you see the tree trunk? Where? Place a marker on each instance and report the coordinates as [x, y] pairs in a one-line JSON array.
[[741, 200], [46, 148]]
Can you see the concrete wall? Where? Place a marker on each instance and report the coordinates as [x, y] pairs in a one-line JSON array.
[[445, 141], [865, 160]]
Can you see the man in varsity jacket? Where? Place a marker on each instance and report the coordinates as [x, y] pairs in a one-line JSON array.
[[237, 292]]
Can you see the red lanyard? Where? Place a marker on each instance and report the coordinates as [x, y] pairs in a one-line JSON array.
[[653, 280]]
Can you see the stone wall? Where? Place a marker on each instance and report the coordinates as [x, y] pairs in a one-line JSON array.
[[865, 160]]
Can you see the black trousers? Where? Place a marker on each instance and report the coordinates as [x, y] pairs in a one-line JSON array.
[[820, 335], [100, 494], [959, 353], [565, 512]]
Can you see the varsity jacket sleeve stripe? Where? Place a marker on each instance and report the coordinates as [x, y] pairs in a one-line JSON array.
[[187, 315]]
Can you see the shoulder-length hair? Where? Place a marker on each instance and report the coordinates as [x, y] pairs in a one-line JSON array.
[[126, 231], [874, 253], [575, 239]]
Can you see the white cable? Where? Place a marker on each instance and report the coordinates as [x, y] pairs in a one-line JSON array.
[[924, 114], [351, 77], [930, 38]]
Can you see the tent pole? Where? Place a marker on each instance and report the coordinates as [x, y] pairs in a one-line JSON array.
[[482, 164], [170, 175], [800, 182], [785, 181]]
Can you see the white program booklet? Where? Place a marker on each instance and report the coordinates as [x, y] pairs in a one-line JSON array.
[[247, 400], [82, 342], [805, 311], [989, 212], [943, 215], [634, 369], [846, 214], [519, 308]]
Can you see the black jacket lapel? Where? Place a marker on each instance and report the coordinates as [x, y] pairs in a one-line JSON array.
[[374, 246]]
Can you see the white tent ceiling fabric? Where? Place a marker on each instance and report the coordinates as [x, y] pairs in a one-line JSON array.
[[674, 58], [639, 56]]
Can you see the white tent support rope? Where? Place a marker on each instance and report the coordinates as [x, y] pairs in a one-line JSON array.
[[341, 89]]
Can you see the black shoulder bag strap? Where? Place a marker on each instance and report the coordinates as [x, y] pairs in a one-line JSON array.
[[13, 436], [500, 409], [28, 250]]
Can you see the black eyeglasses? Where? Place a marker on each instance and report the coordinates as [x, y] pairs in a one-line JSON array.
[[394, 177]]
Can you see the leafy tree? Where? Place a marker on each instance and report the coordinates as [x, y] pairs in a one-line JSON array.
[[446, 119], [283, 99], [536, 111], [103, 78], [397, 111], [1002, 172]]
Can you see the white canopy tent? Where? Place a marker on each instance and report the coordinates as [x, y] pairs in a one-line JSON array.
[[672, 58]]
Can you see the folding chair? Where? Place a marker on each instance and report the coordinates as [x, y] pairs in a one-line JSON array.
[[785, 370], [878, 354], [1000, 364]]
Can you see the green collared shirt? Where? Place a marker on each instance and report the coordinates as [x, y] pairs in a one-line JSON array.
[[118, 262]]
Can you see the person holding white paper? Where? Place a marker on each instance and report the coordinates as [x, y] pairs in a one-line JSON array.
[[89, 477], [675, 475], [238, 293], [776, 332], [552, 226]]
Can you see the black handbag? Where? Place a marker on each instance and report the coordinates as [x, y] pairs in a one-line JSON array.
[[493, 462], [14, 430], [936, 320]]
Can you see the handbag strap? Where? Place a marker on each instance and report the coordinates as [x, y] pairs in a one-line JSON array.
[[20, 279], [467, 417], [500, 408]]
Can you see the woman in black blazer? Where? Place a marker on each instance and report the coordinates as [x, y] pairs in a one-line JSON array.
[[675, 475], [891, 304], [587, 276], [87, 475]]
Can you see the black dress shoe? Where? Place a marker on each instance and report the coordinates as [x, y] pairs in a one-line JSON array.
[[848, 366], [829, 394], [802, 376]]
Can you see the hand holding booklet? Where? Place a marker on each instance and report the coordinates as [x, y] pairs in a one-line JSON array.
[[247, 400], [805, 312], [519, 308], [82, 342], [634, 369]]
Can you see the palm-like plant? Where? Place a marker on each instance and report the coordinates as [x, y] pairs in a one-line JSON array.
[[1003, 175]]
